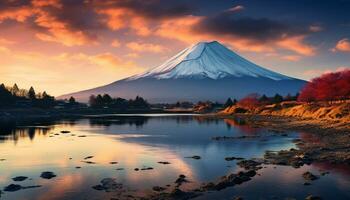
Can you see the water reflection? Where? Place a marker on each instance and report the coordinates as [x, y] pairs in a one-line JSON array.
[[136, 142]]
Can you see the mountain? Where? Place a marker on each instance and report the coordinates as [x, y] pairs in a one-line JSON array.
[[204, 71]]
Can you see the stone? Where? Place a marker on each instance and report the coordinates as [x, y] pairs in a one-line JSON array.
[[12, 188], [309, 176], [19, 178], [47, 175]]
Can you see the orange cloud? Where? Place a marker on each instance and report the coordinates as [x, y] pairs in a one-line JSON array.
[[20, 14], [116, 17], [115, 43], [146, 47], [342, 45], [132, 55], [296, 44], [4, 41], [291, 58], [4, 49], [57, 30], [119, 18], [318, 72], [41, 3], [60, 32]]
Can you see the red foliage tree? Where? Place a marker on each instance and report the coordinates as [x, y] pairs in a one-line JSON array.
[[250, 102], [328, 87]]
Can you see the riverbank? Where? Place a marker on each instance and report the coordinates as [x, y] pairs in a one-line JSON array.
[[321, 140]]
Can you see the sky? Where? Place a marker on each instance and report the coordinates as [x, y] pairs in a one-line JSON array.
[[63, 46]]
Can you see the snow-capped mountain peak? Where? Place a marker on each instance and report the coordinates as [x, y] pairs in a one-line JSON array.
[[208, 60]]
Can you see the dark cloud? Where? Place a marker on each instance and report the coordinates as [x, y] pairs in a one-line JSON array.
[[262, 29], [151, 8], [4, 4]]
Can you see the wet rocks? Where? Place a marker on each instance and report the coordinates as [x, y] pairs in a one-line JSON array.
[[108, 185], [180, 180], [89, 162], [19, 178], [235, 137], [309, 176], [249, 164], [146, 168], [136, 169], [88, 157], [119, 169], [65, 131], [158, 188], [233, 158], [194, 157], [47, 175], [179, 194], [164, 162], [292, 157], [15, 187], [12, 188], [229, 181], [113, 163]]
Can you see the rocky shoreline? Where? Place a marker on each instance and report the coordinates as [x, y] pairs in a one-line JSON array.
[[324, 141]]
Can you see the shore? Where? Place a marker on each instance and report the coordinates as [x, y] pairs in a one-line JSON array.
[[321, 140]]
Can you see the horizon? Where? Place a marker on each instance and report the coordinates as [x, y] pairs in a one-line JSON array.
[[51, 45]]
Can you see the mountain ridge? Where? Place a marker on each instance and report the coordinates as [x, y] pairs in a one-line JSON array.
[[211, 60]]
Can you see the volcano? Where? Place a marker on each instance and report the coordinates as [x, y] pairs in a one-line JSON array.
[[203, 71]]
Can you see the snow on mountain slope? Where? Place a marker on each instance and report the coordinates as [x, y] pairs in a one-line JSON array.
[[204, 71], [208, 60]]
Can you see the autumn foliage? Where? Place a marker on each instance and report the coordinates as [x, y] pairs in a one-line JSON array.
[[328, 87], [250, 102]]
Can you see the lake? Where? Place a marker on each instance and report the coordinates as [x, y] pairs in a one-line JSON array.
[[82, 152]]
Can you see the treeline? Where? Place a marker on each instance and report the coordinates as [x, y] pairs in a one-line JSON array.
[[106, 101], [14, 96], [328, 87], [255, 100]]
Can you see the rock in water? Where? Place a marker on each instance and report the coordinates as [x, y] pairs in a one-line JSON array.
[[19, 178], [12, 188], [47, 175]]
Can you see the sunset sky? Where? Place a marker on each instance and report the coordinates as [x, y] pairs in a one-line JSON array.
[[63, 46]]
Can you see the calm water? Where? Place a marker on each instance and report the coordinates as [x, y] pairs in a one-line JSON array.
[[138, 141]]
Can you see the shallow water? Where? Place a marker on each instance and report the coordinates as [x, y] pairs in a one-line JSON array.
[[139, 141]]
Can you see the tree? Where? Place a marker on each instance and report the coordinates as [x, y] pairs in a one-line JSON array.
[[106, 99], [235, 101], [228, 103], [5, 96], [99, 101], [327, 87], [277, 98], [31, 94], [15, 90], [264, 99], [251, 101], [71, 100], [46, 101], [92, 100]]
